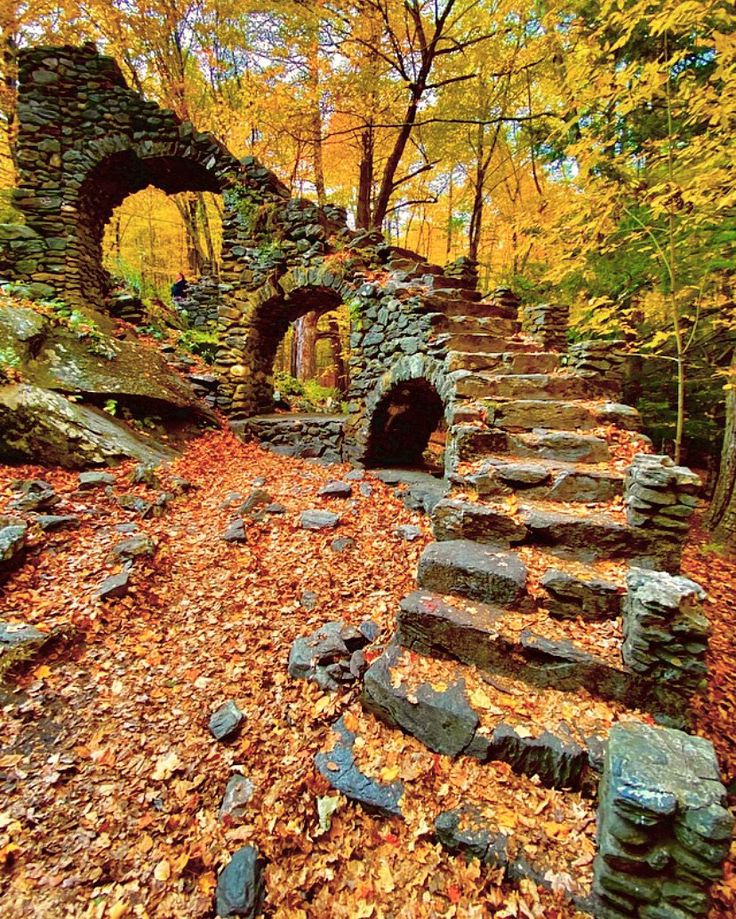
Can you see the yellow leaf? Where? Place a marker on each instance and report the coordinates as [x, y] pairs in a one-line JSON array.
[[162, 871], [166, 766], [385, 878], [389, 773], [42, 672], [117, 910]]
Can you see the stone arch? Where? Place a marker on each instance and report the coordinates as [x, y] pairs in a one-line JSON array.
[[263, 322], [402, 411], [115, 168], [85, 141]]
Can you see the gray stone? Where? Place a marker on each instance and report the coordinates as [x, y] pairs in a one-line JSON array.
[[57, 521], [574, 595], [238, 793], [34, 495], [472, 570], [454, 520], [240, 885], [225, 723], [342, 543], [465, 831], [235, 531], [137, 546], [335, 489], [95, 479], [408, 533], [114, 587], [324, 657], [318, 520], [338, 767], [13, 533]]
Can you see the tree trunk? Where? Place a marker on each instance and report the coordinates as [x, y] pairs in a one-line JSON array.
[[722, 514], [305, 330], [365, 178], [187, 206]]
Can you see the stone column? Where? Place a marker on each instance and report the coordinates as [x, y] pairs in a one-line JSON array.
[[660, 499], [604, 358], [547, 322], [665, 629], [663, 828]]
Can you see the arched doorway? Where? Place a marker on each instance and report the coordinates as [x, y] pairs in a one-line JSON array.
[[406, 420], [106, 186]]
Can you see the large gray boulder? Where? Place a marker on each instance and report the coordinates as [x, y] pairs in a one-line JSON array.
[[38, 423]]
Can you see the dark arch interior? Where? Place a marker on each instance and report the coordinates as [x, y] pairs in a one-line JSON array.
[[110, 183], [402, 425]]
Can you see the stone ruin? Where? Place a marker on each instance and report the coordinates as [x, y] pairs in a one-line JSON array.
[[530, 462]]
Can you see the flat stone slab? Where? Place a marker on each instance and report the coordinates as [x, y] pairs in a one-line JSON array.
[[49, 522], [472, 570], [338, 767], [13, 535], [90, 480], [565, 446], [318, 520], [335, 489], [19, 641], [114, 587], [235, 531], [238, 793]]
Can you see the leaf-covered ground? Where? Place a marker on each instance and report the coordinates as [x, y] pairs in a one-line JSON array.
[[111, 782]]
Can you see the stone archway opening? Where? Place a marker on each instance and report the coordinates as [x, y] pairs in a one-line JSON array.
[[108, 186], [407, 428]]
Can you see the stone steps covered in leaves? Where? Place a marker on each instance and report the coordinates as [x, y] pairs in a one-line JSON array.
[[587, 536], [503, 362], [469, 307], [491, 325], [543, 479], [456, 710], [569, 415], [537, 649], [547, 835], [549, 387], [471, 442]]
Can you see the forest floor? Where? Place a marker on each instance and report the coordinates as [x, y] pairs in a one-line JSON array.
[[111, 782]]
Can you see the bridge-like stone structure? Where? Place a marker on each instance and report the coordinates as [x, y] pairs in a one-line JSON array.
[[536, 436]]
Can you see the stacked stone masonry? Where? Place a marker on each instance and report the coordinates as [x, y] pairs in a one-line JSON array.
[[525, 418], [663, 828]]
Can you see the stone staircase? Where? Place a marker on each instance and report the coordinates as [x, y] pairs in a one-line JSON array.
[[544, 614]]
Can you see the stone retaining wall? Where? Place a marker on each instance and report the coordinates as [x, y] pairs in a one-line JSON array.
[[201, 305], [663, 828], [306, 436]]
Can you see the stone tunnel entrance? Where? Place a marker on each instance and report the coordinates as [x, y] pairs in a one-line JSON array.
[[407, 428]]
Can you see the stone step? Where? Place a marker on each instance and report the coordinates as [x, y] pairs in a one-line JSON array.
[[475, 325], [503, 362], [485, 342], [538, 386], [454, 711], [536, 649], [480, 308], [578, 536], [471, 442], [532, 842], [528, 414], [453, 295], [468, 569], [585, 536], [541, 479]]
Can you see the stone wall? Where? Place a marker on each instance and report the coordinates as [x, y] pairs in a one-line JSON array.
[[663, 828], [306, 436], [85, 141], [605, 358]]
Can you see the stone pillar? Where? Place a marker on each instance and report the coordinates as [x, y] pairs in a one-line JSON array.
[[663, 828], [604, 358], [660, 499], [547, 322], [665, 629]]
